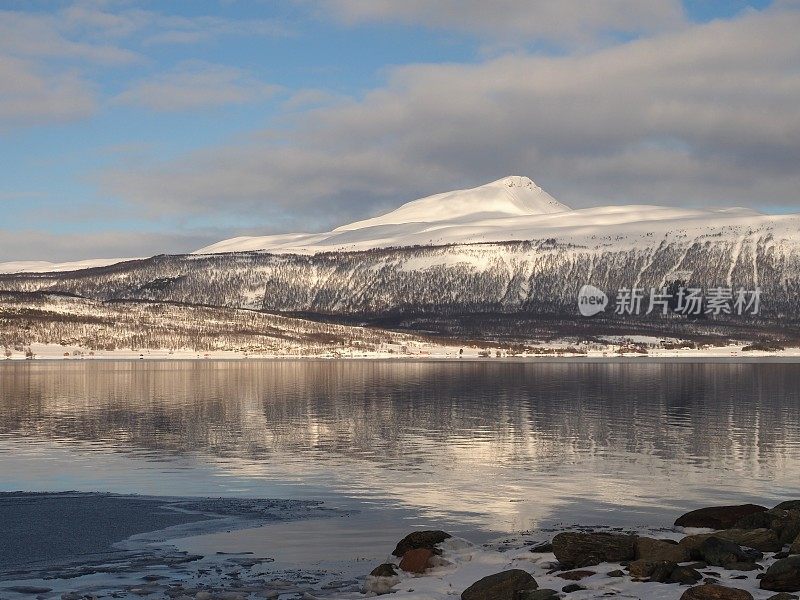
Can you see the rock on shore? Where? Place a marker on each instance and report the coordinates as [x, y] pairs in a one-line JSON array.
[[505, 585], [748, 555], [587, 549], [718, 517], [783, 575], [715, 592]]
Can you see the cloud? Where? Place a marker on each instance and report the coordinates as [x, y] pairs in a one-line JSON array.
[[311, 97], [196, 85], [48, 36], [91, 19], [181, 30], [42, 245], [88, 31], [705, 115], [510, 20], [45, 57], [29, 94]]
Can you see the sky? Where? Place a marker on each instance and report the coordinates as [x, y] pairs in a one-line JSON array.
[[136, 128]]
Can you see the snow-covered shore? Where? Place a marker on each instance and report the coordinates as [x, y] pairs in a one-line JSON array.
[[573, 561], [738, 552], [463, 563], [565, 350]]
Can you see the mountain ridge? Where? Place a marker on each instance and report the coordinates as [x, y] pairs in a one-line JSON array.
[[511, 209]]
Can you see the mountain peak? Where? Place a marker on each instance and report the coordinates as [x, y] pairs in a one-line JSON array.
[[510, 196], [515, 181]]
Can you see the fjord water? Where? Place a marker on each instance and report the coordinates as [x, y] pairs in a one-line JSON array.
[[481, 446]]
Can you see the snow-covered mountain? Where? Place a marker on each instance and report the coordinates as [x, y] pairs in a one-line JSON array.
[[437, 219], [505, 247], [510, 209]]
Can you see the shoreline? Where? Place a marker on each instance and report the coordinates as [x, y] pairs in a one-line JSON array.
[[732, 353], [123, 545], [572, 561]]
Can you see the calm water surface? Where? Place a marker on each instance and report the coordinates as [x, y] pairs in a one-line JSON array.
[[488, 446]]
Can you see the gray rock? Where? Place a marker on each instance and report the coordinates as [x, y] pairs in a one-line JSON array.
[[785, 523], [662, 572], [724, 553], [783, 596], [783, 575], [718, 517], [572, 587], [684, 575], [585, 549], [616, 573], [384, 570], [505, 585], [421, 539]]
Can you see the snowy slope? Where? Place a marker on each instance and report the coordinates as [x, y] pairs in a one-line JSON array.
[[510, 209], [508, 197], [41, 266]]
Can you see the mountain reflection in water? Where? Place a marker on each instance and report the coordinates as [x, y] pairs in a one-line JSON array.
[[505, 445]]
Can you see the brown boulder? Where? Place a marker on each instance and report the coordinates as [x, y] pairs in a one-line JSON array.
[[657, 550], [663, 572], [692, 543], [717, 517], [795, 547], [416, 560], [586, 549], [712, 591], [421, 539], [764, 540], [506, 585], [641, 569]]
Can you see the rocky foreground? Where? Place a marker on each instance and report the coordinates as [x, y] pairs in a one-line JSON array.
[[717, 553], [741, 552]]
